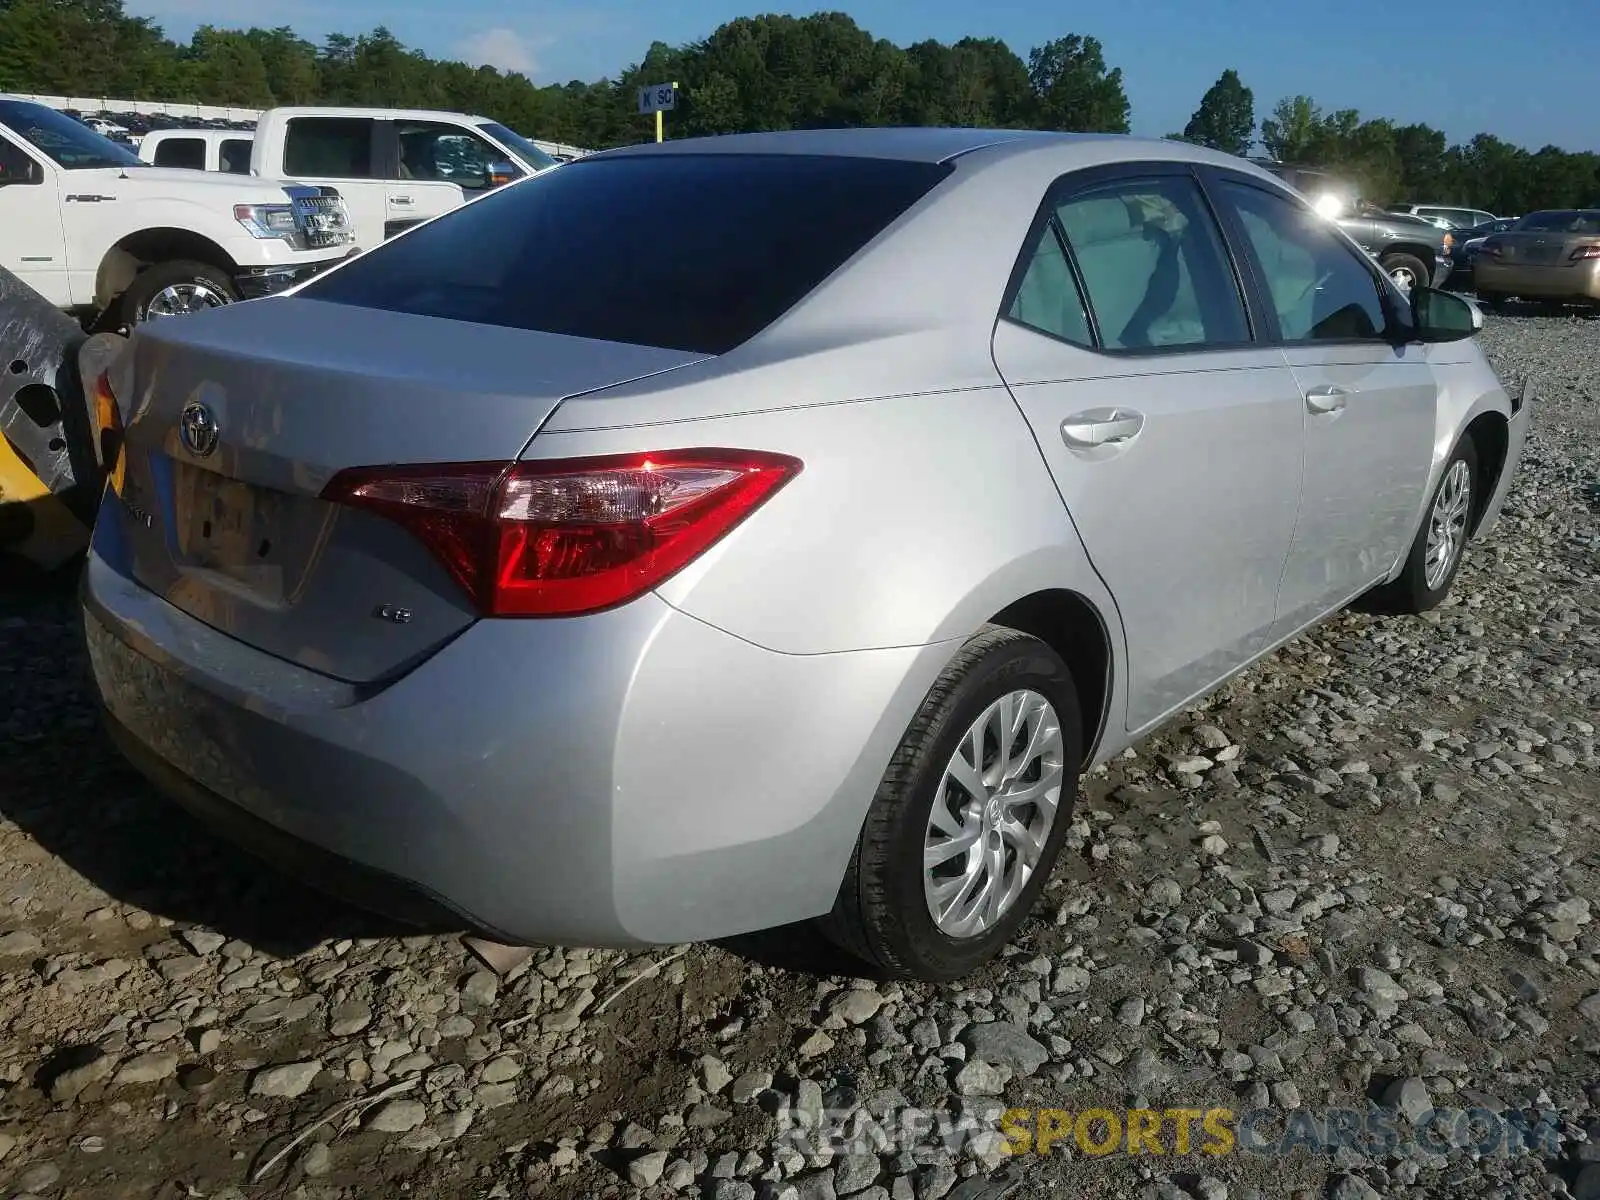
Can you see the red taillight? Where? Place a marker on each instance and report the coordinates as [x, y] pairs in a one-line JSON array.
[[568, 536], [1583, 253]]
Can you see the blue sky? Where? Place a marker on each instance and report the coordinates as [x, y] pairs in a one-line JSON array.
[[1464, 66]]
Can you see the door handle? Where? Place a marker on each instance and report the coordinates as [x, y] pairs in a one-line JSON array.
[[1326, 399], [400, 200], [1101, 427]]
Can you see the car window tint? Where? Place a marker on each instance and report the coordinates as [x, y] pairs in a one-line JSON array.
[[725, 245], [15, 166], [1154, 265], [1319, 288], [189, 153], [447, 153], [234, 157], [340, 147], [1048, 298]]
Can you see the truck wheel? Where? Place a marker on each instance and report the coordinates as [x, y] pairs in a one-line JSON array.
[[1407, 270], [173, 289]]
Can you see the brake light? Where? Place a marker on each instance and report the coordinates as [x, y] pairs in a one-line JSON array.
[[569, 536], [1584, 253]]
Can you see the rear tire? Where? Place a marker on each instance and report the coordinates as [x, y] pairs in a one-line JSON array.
[[884, 911], [1407, 265], [1452, 510], [166, 288]]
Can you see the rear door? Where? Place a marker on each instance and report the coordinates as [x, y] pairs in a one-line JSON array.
[[437, 166], [1369, 402], [1173, 437], [346, 153]]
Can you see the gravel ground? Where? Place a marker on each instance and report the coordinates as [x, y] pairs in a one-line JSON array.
[[1362, 873]]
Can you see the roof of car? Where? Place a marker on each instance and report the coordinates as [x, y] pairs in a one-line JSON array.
[[913, 144], [362, 110]]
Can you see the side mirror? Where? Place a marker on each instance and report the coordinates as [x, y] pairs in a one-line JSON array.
[[502, 173], [1443, 316]]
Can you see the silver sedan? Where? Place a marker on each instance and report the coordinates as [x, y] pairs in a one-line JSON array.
[[702, 537]]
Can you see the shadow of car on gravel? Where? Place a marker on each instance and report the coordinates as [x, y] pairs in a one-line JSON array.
[[66, 787]]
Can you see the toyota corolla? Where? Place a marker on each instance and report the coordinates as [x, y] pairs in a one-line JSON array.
[[702, 537]]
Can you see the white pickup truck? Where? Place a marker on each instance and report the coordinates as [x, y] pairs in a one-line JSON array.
[[394, 167], [93, 229]]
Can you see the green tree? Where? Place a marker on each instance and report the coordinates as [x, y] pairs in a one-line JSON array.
[[1072, 88], [1226, 118], [1291, 129]]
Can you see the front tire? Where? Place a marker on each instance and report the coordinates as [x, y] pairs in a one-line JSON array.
[[173, 289], [1407, 270], [1435, 555], [969, 819]]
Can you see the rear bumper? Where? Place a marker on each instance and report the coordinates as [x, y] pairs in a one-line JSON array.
[[633, 778], [255, 282], [1577, 284]]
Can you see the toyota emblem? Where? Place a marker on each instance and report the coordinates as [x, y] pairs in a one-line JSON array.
[[197, 429]]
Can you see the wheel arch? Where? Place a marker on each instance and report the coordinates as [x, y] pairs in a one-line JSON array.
[[1071, 625], [1490, 435], [144, 248]]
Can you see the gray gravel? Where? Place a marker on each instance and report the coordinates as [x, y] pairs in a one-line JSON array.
[[1366, 871]]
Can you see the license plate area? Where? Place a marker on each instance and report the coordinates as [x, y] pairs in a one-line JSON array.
[[229, 526]]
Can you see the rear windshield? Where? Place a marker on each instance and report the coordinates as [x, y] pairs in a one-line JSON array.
[[1561, 222], [687, 252]]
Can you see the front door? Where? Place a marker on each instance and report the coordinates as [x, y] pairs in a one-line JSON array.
[[1173, 437], [441, 166], [1370, 399], [33, 242]]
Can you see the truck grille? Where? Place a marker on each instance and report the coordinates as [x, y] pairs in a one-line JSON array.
[[321, 217]]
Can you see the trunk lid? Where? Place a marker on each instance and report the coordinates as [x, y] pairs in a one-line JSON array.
[[296, 390], [1540, 249]]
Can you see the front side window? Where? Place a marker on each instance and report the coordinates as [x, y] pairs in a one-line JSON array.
[[567, 251], [1154, 265], [234, 157], [531, 154], [188, 153], [446, 154], [68, 143], [1319, 287], [332, 147]]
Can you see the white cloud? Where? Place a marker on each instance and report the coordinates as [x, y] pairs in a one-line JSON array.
[[500, 47]]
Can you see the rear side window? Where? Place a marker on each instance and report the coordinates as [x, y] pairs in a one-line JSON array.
[[683, 251], [189, 153], [340, 147], [1047, 297], [234, 157], [1155, 266]]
